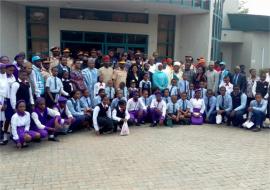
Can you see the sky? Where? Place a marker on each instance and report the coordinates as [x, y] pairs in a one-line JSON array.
[[258, 7]]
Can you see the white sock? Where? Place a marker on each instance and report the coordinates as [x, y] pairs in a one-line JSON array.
[[5, 137], [51, 136]]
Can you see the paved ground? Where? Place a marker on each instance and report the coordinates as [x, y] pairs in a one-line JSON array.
[[193, 157]]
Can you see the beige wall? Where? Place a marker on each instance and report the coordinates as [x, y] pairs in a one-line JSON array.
[[229, 6]]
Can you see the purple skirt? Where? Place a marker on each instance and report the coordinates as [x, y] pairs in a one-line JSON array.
[[21, 132], [197, 120]]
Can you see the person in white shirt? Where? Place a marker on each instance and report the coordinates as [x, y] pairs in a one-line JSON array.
[[227, 84], [102, 119], [197, 109], [54, 88], [45, 120], [20, 126], [158, 109], [120, 115], [135, 109], [99, 85], [3, 94]]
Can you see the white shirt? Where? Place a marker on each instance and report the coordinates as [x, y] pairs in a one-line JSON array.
[[14, 89], [197, 103], [18, 121], [67, 112], [134, 106], [114, 117], [254, 89], [3, 85], [159, 105], [98, 86], [95, 115], [51, 113], [10, 81], [229, 87], [55, 85]]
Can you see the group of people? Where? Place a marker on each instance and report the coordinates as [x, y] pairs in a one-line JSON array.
[[46, 96]]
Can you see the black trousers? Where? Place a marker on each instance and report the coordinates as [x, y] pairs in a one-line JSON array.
[[105, 124]]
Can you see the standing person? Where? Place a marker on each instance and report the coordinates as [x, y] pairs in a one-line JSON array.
[[82, 115], [223, 72], [210, 107], [90, 76], [99, 85], [102, 118], [257, 110], [113, 59], [199, 77], [110, 90], [119, 74], [212, 78], [239, 101], [224, 103], [183, 85], [168, 69], [261, 86], [63, 67], [160, 79], [46, 121], [250, 83], [3, 96], [239, 79], [189, 72], [106, 71], [38, 78], [54, 88], [145, 84], [198, 108], [177, 72], [21, 90], [135, 109], [227, 84], [76, 76], [184, 109], [9, 111], [45, 69], [146, 70], [66, 54], [158, 109], [55, 58], [20, 126], [19, 61], [133, 75], [120, 115], [173, 88]]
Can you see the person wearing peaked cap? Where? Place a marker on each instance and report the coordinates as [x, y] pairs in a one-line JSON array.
[[223, 72], [106, 70], [45, 69], [37, 76], [66, 54], [177, 72], [55, 58], [119, 74]]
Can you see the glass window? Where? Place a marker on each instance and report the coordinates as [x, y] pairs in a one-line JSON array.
[[71, 14], [94, 37], [37, 15], [137, 18], [136, 39], [118, 17], [115, 38], [72, 36], [102, 15], [38, 31]]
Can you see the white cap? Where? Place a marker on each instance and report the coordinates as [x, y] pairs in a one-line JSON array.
[[177, 63]]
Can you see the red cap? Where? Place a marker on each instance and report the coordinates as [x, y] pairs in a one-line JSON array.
[[164, 60], [106, 59], [169, 60]]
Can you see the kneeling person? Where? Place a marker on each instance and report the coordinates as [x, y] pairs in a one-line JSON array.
[[184, 109], [120, 115], [172, 116]]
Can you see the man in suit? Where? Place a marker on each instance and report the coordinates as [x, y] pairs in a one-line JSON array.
[[63, 67], [238, 79]]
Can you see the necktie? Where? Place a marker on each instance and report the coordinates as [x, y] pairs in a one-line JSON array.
[[167, 100], [222, 104], [55, 83], [87, 100], [208, 103], [201, 92], [170, 93], [184, 105], [185, 86], [145, 101], [173, 108], [190, 94], [110, 92]]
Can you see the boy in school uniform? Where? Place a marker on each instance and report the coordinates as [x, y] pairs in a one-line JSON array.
[[67, 84], [97, 99], [123, 88], [102, 119], [166, 96], [183, 85], [85, 100], [109, 90], [191, 91], [210, 107], [145, 84], [184, 109], [203, 90], [173, 89], [172, 111], [224, 103], [115, 101], [54, 88], [99, 85], [146, 101], [158, 109], [120, 115]]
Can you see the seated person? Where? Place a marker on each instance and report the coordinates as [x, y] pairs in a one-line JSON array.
[[135, 108], [102, 120], [172, 116], [120, 115], [20, 126], [82, 116], [85, 100], [257, 112], [191, 91], [198, 107], [119, 96], [239, 101], [97, 99], [145, 100], [224, 103], [184, 109], [67, 118], [46, 121], [210, 107], [166, 96], [158, 110]]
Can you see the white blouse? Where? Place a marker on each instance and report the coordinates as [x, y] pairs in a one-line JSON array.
[[159, 105], [197, 103], [19, 121]]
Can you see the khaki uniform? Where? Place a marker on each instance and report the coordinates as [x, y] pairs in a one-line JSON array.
[[119, 76], [107, 73], [70, 62], [54, 61]]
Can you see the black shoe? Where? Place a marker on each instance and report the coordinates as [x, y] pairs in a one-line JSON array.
[[25, 145], [70, 131], [53, 139], [153, 125], [138, 124], [4, 142], [37, 140], [256, 129], [228, 123]]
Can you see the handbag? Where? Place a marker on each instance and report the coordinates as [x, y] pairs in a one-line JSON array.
[[125, 129]]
